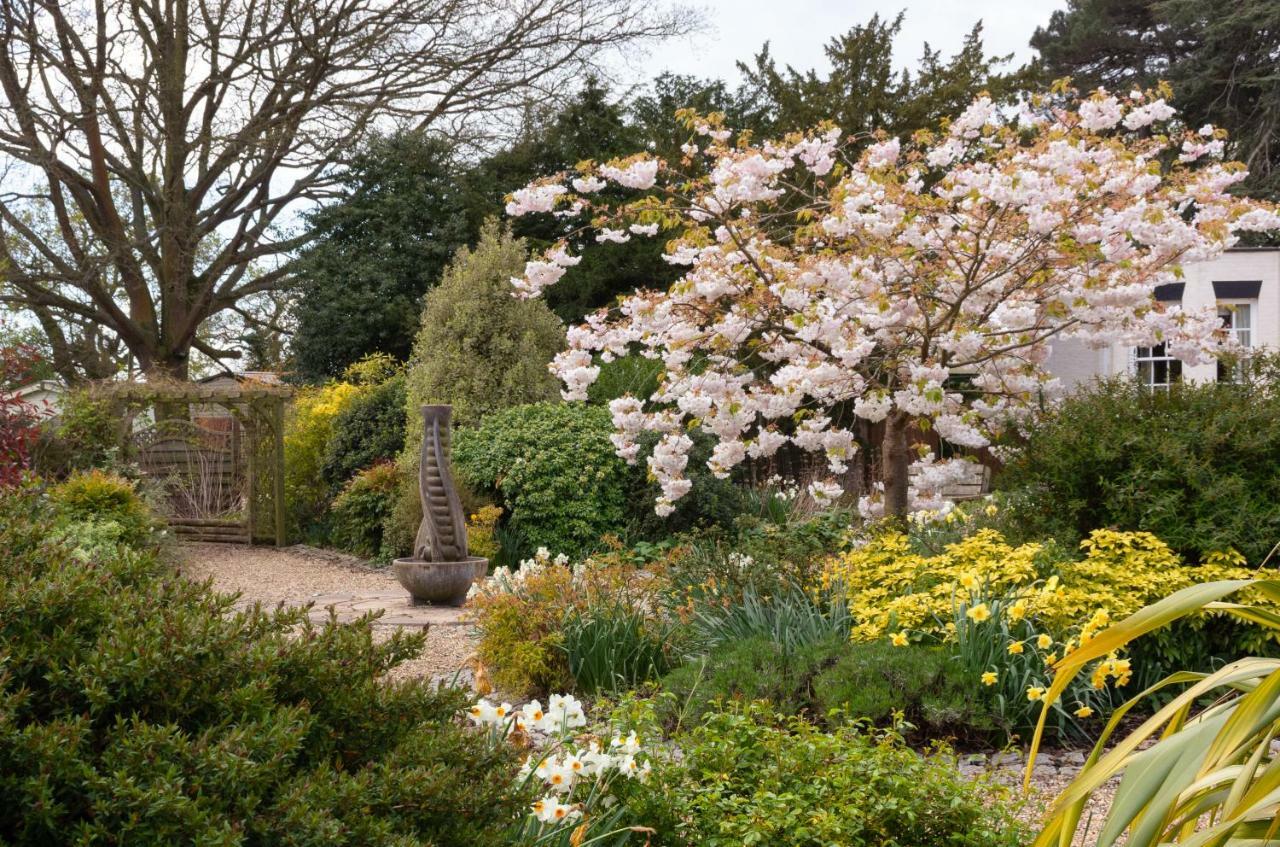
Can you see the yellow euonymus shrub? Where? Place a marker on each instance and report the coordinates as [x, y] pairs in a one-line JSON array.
[[890, 586]]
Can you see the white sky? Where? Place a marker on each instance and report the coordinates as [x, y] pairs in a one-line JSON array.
[[798, 29]]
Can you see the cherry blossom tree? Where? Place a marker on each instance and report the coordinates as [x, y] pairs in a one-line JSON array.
[[920, 282]]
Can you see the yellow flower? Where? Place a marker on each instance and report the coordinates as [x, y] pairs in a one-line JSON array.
[[969, 580], [1035, 693], [1015, 648], [1050, 658], [1044, 642], [978, 613], [1084, 712], [899, 639], [991, 510], [989, 678], [1018, 610]]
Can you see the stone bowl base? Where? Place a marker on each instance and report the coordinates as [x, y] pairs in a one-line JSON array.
[[439, 583]]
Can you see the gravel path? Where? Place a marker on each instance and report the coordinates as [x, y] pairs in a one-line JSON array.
[[298, 575]]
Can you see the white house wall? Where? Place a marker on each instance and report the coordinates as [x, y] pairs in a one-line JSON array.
[[1073, 362]]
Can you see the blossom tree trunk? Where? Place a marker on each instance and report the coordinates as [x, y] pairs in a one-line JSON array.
[[896, 458]]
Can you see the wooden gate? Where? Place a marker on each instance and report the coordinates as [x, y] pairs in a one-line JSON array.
[[212, 455]]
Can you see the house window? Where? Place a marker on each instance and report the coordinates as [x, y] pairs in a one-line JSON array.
[[1237, 319], [1155, 368]]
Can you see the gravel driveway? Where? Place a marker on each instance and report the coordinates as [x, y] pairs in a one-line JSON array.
[[298, 575]]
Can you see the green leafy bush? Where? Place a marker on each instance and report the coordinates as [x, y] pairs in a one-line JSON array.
[[710, 503], [1194, 465], [749, 776], [360, 512], [369, 430], [101, 497], [553, 468], [85, 434], [138, 708]]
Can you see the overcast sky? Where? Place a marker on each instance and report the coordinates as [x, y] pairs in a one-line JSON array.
[[798, 29]]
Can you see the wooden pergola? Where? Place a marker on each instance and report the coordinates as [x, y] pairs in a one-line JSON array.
[[240, 425]]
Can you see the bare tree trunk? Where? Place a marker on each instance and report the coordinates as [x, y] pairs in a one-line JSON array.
[[896, 459]]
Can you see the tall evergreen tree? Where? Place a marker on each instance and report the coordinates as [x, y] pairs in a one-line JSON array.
[[1221, 60], [377, 251]]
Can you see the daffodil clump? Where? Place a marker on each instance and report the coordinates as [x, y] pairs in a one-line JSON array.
[[575, 776]]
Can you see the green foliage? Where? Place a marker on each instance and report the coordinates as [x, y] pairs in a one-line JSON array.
[[1194, 466], [633, 374], [1218, 58], [377, 251], [936, 696], [85, 434], [613, 645], [309, 424], [139, 708], [790, 618], [553, 468], [864, 93], [369, 430], [479, 348], [103, 497], [748, 776], [710, 503], [925, 685], [360, 512]]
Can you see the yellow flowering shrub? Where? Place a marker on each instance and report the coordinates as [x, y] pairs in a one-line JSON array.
[[307, 430], [481, 527], [892, 587]]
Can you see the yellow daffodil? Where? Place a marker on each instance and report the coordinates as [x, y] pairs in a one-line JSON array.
[[1015, 648], [1044, 642], [1084, 712], [992, 510], [969, 581], [1018, 610], [1050, 658], [899, 639], [1035, 693], [989, 678], [978, 613]]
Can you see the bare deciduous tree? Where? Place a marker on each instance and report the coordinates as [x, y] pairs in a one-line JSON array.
[[167, 144]]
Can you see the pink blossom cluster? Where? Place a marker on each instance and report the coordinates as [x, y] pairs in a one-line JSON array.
[[818, 300]]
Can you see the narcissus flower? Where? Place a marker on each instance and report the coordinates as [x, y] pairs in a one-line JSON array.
[[1044, 641], [978, 613], [899, 639], [1035, 693], [1084, 712], [1015, 648], [989, 678]]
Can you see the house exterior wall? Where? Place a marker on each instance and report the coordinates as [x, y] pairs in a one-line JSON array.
[[1073, 362]]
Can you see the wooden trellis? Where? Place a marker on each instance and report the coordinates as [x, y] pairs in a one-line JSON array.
[[214, 454]]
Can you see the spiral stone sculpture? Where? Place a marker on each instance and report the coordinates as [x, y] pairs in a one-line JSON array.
[[440, 571]]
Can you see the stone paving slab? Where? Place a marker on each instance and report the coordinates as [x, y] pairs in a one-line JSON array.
[[395, 605]]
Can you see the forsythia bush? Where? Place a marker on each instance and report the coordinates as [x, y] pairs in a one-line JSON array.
[[307, 431], [891, 586]]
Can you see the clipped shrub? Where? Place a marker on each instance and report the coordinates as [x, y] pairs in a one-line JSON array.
[[479, 348], [139, 708], [749, 775], [1194, 465], [369, 430], [554, 470], [360, 511], [101, 497]]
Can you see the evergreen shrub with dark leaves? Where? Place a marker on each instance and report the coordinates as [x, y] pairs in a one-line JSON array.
[[553, 467], [138, 708], [1195, 466]]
